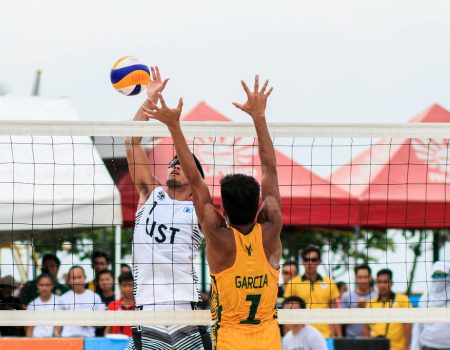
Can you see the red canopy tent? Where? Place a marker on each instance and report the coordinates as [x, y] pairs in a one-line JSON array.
[[402, 183], [307, 199]]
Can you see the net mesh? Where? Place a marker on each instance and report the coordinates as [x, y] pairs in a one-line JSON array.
[[374, 194]]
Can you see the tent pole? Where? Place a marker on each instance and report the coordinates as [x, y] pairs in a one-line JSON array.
[[118, 251]]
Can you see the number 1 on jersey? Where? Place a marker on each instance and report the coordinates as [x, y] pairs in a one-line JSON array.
[[254, 299]]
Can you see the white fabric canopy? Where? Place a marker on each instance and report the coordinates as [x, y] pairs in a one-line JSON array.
[[52, 182]]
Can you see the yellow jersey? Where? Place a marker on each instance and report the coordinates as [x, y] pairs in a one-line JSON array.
[[317, 295], [395, 332], [244, 298]]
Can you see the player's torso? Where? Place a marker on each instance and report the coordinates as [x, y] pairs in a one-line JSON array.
[[165, 243], [245, 295]]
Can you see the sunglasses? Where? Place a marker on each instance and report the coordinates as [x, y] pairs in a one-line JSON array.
[[174, 162], [313, 260], [439, 275]]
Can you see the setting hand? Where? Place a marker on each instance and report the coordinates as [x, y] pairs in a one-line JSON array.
[[155, 85], [166, 115], [256, 100]]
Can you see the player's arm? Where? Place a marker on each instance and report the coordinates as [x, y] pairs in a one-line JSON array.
[[270, 212], [207, 215], [407, 329], [138, 163], [29, 331]]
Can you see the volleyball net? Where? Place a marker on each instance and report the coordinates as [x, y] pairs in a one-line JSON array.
[[373, 194]]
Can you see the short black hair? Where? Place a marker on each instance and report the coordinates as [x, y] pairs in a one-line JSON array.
[[102, 272], [340, 284], [125, 265], [197, 163], [363, 267], [240, 198], [295, 299], [100, 254], [44, 275], [126, 277], [290, 262], [76, 267], [50, 256], [311, 248], [386, 272]]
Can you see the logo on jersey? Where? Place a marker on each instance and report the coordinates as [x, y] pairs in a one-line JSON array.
[[161, 195], [187, 210], [248, 249]]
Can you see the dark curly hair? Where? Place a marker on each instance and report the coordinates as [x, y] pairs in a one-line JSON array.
[[240, 198]]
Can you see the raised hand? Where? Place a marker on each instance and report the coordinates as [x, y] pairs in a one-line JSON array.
[[256, 100], [166, 115], [156, 85]]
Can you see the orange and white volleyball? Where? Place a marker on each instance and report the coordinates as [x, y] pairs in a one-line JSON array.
[[129, 75]]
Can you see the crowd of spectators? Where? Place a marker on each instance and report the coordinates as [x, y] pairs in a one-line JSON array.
[[308, 290], [45, 293]]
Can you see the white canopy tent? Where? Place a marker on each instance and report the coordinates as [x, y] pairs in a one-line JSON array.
[[52, 184]]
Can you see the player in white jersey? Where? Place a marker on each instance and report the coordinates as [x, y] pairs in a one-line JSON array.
[[166, 241]]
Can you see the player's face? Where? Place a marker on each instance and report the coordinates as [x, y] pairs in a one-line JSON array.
[[106, 282], [175, 175], [45, 287], [311, 261], [77, 280]]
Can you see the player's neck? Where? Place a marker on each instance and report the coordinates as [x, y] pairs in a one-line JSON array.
[[244, 229], [179, 193]]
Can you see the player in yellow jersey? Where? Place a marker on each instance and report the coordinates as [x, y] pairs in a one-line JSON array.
[[243, 246]]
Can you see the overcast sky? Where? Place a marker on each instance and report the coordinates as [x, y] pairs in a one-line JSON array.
[[329, 61]]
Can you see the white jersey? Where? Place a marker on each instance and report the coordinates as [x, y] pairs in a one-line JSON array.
[[165, 244], [54, 303]]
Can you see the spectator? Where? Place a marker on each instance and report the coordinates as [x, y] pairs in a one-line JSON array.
[[399, 334], [79, 298], [100, 262], [46, 301], [105, 286], [125, 268], [434, 335], [50, 266], [289, 271], [342, 288], [126, 302], [358, 298], [300, 336], [9, 302], [319, 292]]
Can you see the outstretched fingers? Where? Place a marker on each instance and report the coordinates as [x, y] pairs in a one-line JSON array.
[[256, 87], [246, 89], [269, 92], [264, 86], [153, 75], [158, 75], [161, 99]]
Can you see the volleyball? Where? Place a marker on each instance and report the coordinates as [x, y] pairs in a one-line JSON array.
[[129, 75]]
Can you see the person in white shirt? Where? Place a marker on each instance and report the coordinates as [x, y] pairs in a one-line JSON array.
[[300, 336], [46, 301], [79, 298], [434, 336]]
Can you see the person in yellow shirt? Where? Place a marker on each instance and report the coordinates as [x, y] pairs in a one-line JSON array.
[[399, 334], [319, 292], [243, 245]]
